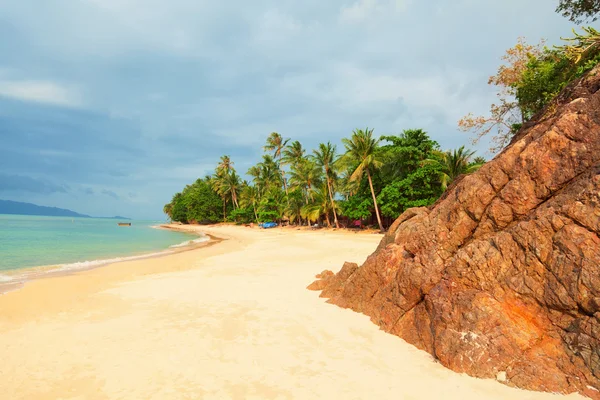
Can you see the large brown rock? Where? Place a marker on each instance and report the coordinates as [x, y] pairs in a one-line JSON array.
[[501, 277]]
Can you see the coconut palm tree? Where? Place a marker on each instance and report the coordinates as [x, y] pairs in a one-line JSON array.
[[268, 175], [453, 163], [250, 197], [255, 172], [168, 209], [276, 143], [321, 205], [362, 150], [306, 175], [294, 206], [293, 153], [325, 158], [225, 165]]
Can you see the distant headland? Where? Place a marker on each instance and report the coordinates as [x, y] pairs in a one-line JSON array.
[[20, 208]]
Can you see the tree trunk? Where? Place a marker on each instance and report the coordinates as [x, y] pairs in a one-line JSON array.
[[283, 177], [374, 201], [327, 219], [224, 210], [255, 214], [337, 225], [284, 182]]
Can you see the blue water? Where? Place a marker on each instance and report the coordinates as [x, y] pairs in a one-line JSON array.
[[28, 241]]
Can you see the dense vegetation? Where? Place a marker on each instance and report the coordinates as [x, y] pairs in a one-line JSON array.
[[530, 78], [374, 179]]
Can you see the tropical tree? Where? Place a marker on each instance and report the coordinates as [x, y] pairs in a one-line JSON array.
[[325, 157], [250, 197], [276, 143], [168, 209], [305, 176], [362, 151], [294, 206], [225, 181], [293, 154], [452, 164], [579, 11], [320, 206], [255, 172], [506, 115], [225, 165], [268, 175]]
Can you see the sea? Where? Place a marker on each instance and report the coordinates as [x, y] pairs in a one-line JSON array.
[[65, 243]]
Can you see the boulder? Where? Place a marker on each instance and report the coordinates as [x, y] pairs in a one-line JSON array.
[[501, 277]]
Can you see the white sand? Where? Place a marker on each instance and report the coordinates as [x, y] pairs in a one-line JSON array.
[[232, 321]]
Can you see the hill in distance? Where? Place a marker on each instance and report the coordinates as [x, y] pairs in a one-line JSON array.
[[19, 208]]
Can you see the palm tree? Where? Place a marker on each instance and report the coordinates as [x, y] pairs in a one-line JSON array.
[[268, 173], [168, 209], [293, 153], [321, 205], [276, 143], [325, 157], [305, 176], [453, 163], [361, 149], [250, 196], [255, 172], [225, 165], [294, 206]]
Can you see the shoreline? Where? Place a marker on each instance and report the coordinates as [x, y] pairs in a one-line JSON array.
[[228, 321], [19, 277]]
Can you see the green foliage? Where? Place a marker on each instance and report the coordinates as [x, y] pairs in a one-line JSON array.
[[241, 215], [357, 207], [451, 164], [545, 76], [418, 189], [397, 175], [197, 203], [405, 153], [579, 11], [272, 206]]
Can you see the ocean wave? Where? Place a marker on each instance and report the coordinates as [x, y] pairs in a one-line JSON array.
[[6, 278], [96, 263], [201, 239]]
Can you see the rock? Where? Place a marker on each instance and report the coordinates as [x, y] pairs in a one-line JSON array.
[[501, 277]]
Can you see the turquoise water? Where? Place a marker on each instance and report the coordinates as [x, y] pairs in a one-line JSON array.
[[29, 241]]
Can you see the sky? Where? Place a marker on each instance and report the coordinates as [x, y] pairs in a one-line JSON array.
[[109, 107]]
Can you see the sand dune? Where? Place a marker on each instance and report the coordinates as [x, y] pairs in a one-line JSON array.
[[231, 321]]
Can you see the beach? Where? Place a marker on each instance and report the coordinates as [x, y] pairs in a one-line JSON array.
[[232, 320]]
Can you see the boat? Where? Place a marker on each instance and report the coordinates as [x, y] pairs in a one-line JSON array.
[[124, 223]]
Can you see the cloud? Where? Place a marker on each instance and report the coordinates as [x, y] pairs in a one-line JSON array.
[[42, 92], [110, 193], [143, 96], [362, 10], [20, 183]]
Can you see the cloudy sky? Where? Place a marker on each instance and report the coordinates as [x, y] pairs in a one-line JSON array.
[[111, 106]]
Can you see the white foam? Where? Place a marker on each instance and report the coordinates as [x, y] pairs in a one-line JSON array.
[[191, 242], [5, 278], [96, 263]]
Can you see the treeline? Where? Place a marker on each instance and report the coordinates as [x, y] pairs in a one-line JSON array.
[[373, 180]]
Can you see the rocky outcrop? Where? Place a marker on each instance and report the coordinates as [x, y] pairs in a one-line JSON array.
[[501, 278]]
